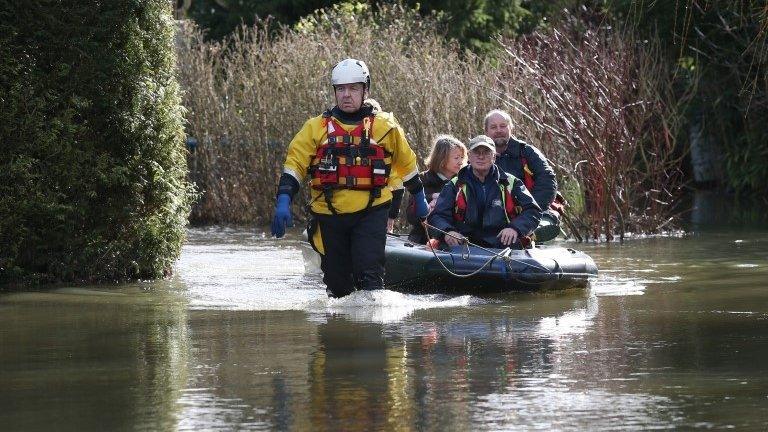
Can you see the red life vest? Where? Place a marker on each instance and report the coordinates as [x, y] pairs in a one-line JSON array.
[[350, 160], [511, 209], [527, 173], [558, 204]]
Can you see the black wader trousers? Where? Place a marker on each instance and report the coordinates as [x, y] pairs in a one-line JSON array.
[[354, 250]]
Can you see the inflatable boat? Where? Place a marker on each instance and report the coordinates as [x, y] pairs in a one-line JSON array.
[[415, 268]]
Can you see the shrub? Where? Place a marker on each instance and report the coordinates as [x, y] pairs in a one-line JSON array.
[[92, 169], [725, 43], [598, 103]]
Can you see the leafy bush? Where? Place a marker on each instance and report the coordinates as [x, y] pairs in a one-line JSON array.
[[473, 24], [92, 166], [725, 43]]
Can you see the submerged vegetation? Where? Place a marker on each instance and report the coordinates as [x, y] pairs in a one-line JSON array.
[[594, 102]]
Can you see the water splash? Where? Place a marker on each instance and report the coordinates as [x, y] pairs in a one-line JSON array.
[[260, 274], [384, 306]]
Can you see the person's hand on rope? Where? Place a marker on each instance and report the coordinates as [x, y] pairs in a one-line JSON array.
[[433, 202], [508, 236], [454, 238], [433, 243], [283, 216]]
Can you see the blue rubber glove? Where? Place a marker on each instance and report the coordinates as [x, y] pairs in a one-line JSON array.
[[420, 205], [282, 215]]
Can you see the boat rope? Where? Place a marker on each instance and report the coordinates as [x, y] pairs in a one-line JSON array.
[[503, 255], [463, 255]]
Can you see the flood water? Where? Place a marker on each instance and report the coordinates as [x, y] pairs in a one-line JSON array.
[[672, 334]]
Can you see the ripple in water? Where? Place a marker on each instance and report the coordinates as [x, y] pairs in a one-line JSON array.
[[265, 275], [555, 406]]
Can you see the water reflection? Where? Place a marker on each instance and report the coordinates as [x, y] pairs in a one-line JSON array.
[[81, 359], [671, 335], [717, 209], [350, 386], [457, 369], [248, 370]]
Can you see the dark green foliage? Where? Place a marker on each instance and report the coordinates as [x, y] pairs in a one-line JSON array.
[[220, 18], [471, 22], [92, 169], [724, 43], [475, 22]]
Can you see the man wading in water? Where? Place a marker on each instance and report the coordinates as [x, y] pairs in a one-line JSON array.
[[349, 152]]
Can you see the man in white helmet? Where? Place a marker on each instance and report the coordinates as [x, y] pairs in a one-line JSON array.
[[349, 152]]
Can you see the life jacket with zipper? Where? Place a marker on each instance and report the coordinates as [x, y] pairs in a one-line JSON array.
[[511, 209]]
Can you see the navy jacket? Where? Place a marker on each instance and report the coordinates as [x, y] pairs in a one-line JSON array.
[[485, 218], [544, 183], [433, 183]]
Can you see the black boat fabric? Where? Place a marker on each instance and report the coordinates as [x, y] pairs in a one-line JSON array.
[[416, 268]]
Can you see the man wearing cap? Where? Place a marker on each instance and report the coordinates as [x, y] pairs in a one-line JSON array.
[[527, 163], [484, 204], [351, 153]]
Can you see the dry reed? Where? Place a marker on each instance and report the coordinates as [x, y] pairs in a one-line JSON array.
[[593, 102], [248, 95]]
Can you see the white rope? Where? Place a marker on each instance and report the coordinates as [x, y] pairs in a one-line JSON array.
[[504, 254]]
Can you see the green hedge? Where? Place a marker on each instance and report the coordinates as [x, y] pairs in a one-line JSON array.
[[92, 165]]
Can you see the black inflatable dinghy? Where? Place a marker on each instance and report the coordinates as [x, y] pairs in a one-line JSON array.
[[416, 268]]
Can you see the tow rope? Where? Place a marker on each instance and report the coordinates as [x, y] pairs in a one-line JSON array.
[[503, 255]]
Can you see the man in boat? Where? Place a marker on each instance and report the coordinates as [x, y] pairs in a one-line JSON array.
[[484, 204], [349, 152], [527, 163]]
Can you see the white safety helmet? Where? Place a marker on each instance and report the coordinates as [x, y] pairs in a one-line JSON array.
[[349, 71]]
